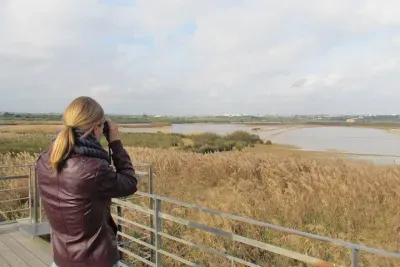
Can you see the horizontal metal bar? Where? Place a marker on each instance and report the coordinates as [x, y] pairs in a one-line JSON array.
[[137, 241], [14, 177], [14, 210], [210, 250], [146, 216], [135, 197], [14, 199], [143, 237], [275, 227], [120, 243], [16, 166], [127, 252], [178, 258], [141, 251], [133, 206], [248, 241], [14, 189], [140, 175], [146, 235], [133, 223]]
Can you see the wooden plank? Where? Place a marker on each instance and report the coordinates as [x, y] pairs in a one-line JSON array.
[[37, 241], [22, 251], [3, 263], [10, 257], [36, 229], [43, 244], [42, 251], [7, 228]]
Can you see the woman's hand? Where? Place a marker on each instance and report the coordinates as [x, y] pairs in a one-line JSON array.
[[114, 134]]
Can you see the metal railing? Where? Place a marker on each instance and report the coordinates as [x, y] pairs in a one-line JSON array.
[[17, 194], [20, 200], [161, 217]]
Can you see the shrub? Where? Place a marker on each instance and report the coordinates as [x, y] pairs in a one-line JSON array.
[[211, 142], [240, 145], [244, 137]]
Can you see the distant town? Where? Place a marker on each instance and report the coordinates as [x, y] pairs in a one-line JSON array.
[[12, 118]]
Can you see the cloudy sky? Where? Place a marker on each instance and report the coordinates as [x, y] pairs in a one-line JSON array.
[[201, 56]]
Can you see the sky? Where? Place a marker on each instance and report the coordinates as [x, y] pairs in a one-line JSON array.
[[194, 57]]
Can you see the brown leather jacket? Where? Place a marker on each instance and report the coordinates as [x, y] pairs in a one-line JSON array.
[[77, 204]]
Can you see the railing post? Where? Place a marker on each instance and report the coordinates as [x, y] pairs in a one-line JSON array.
[[151, 206], [36, 198], [354, 258], [158, 231], [119, 227], [40, 210], [30, 193]]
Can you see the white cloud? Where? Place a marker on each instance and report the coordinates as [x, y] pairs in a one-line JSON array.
[[201, 56], [381, 12]]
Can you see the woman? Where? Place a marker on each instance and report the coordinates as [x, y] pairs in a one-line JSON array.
[[76, 183]]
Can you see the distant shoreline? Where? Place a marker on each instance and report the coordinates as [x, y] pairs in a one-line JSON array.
[[375, 125], [162, 124]]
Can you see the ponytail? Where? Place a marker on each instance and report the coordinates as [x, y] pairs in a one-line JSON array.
[[82, 113], [63, 145]]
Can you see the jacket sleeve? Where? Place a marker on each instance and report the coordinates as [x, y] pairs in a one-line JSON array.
[[120, 182]]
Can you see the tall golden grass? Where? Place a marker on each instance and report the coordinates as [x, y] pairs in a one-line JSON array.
[[345, 200], [30, 129]]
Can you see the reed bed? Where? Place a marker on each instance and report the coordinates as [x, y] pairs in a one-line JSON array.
[[352, 201]]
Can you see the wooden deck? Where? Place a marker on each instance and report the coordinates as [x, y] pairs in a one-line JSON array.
[[17, 249]]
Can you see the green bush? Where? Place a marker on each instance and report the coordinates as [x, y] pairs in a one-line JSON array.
[[205, 138], [240, 145], [211, 142], [244, 136]]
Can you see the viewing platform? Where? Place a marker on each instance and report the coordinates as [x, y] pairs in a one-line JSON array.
[[17, 249], [148, 230]]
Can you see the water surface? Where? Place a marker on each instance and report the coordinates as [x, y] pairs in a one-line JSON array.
[[375, 145]]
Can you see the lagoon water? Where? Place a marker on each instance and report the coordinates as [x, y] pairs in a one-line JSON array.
[[379, 146], [193, 128]]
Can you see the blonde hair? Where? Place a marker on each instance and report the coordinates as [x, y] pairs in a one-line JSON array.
[[82, 113]]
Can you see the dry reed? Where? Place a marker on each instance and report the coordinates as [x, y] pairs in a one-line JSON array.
[[335, 198]]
